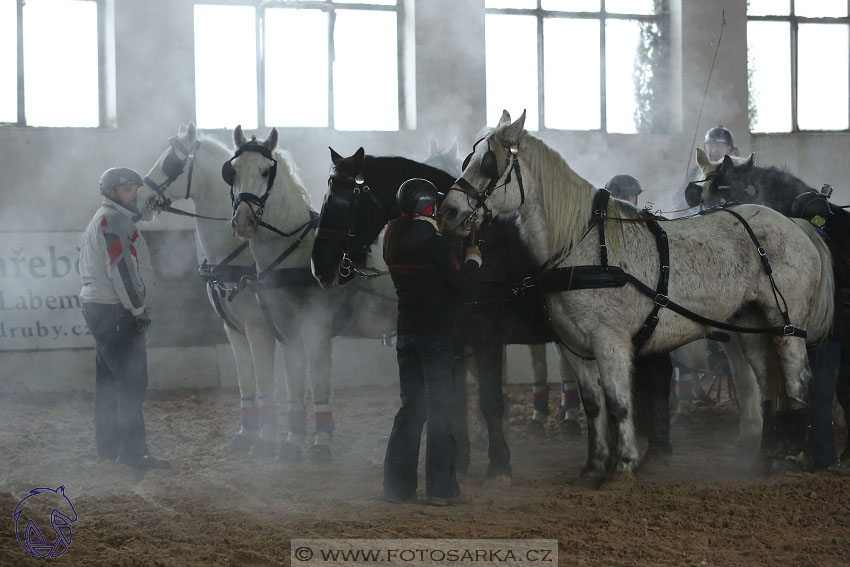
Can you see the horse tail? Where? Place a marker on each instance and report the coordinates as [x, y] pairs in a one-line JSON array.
[[821, 312]]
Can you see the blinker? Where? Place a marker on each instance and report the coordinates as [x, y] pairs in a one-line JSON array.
[[693, 194]]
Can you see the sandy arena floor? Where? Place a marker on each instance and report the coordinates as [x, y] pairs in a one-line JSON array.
[[213, 508]]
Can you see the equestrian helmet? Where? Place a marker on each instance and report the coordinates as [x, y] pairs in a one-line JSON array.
[[719, 135], [418, 197], [623, 186], [115, 177]]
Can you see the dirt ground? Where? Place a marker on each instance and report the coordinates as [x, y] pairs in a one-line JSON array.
[[213, 508]]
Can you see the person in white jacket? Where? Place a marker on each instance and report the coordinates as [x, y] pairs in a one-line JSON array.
[[117, 295]]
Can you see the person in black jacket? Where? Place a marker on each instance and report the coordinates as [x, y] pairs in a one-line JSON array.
[[429, 279]]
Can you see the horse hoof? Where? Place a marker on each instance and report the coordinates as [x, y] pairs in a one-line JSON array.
[[535, 427], [561, 414], [620, 480], [240, 443], [499, 470], [263, 449], [290, 453], [570, 427]]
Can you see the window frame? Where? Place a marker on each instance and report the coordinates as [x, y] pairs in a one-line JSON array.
[[330, 7], [104, 103], [794, 22], [662, 19]]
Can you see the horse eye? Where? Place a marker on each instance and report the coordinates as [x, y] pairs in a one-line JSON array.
[[265, 173]]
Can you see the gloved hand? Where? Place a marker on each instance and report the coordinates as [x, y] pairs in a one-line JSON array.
[[143, 321]]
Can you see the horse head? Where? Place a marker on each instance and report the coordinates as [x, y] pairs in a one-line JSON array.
[[165, 181], [491, 165], [251, 174], [351, 218], [724, 181], [445, 159]]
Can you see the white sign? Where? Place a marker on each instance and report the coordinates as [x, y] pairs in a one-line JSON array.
[[40, 286]]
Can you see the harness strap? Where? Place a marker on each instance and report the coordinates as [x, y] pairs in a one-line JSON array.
[[215, 274], [600, 211], [661, 299]]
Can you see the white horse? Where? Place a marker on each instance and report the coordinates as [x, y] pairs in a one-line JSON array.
[[714, 271], [568, 414], [190, 168], [272, 209]]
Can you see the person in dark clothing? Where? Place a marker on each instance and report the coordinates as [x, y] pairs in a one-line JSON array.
[[428, 279], [117, 296], [653, 372]]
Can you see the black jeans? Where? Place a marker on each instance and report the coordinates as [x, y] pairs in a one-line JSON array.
[[120, 381], [426, 376]]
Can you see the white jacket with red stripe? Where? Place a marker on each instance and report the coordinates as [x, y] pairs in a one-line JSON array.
[[115, 264]]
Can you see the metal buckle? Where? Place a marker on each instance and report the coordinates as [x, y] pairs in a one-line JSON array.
[[661, 300], [761, 251], [788, 330]]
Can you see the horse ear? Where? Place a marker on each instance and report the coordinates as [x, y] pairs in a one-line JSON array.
[[359, 157], [271, 141], [335, 157], [702, 160], [727, 162], [751, 161], [512, 133], [433, 146], [238, 137], [453, 149], [181, 130], [504, 120], [191, 132]]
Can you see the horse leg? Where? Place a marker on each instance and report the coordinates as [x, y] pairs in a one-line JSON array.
[[587, 375], [615, 367], [842, 392], [262, 344], [570, 409], [539, 389], [655, 373], [798, 377], [295, 361], [492, 400], [317, 341], [478, 440], [748, 393], [248, 411]]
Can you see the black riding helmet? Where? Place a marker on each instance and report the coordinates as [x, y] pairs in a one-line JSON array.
[[418, 197], [623, 186], [719, 135], [116, 177]]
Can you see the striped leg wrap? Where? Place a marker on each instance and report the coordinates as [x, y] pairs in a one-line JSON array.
[[540, 397], [267, 411], [297, 418], [569, 395], [249, 415], [324, 417]]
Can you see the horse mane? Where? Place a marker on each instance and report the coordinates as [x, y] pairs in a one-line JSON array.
[[291, 174], [568, 198]]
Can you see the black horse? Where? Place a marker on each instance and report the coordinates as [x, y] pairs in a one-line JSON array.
[[360, 202], [789, 195]]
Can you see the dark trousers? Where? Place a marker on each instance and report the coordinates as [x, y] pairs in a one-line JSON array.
[[120, 381], [824, 362], [426, 377]]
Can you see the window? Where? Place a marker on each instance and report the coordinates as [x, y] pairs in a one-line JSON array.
[[797, 57], [580, 64], [51, 63], [301, 63]]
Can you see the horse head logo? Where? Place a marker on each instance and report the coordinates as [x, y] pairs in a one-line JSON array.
[[40, 504]]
